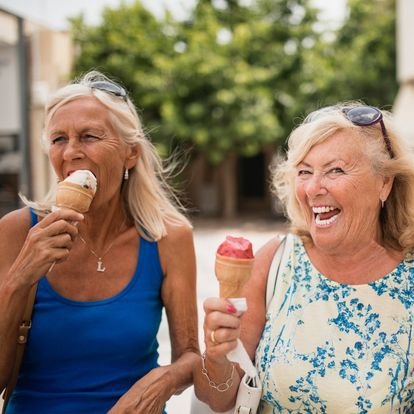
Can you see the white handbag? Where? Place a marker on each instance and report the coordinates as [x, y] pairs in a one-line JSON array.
[[250, 388], [248, 396]]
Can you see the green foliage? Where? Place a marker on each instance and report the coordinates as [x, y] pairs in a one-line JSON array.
[[360, 62], [128, 47], [239, 80], [234, 78]]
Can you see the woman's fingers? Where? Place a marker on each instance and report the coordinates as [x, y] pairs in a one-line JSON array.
[[61, 232], [217, 319], [218, 304], [221, 327], [221, 335], [61, 245], [220, 313], [62, 213], [51, 228], [48, 242], [60, 221]]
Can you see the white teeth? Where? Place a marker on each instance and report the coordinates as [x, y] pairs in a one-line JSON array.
[[324, 209], [326, 222]]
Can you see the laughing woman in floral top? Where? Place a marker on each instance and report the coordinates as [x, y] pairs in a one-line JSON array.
[[337, 336]]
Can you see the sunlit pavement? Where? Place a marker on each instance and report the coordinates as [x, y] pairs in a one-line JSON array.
[[208, 235]]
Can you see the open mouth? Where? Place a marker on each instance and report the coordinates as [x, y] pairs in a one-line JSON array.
[[325, 215]]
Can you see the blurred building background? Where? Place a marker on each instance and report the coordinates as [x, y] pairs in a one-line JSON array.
[[36, 59], [404, 103]]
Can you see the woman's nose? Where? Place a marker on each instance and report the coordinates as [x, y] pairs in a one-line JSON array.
[[315, 186], [73, 150]]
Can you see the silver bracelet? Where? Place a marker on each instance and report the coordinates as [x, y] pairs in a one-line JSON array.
[[224, 386]]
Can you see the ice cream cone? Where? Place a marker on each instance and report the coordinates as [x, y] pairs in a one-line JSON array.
[[74, 196], [232, 274], [77, 191]]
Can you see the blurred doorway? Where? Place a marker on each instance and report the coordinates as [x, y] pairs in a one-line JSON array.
[[253, 185]]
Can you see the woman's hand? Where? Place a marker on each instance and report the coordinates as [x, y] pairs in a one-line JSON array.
[[48, 242], [221, 328], [221, 331], [148, 395]]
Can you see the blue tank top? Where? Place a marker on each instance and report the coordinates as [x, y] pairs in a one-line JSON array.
[[81, 357]]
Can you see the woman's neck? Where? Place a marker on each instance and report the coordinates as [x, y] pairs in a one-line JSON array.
[[101, 227], [359, 266]]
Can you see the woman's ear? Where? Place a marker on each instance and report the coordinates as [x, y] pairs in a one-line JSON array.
[[133, 154], [386, 187]]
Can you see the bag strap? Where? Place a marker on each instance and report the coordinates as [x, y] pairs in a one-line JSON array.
[[280, 255], [23, 333]]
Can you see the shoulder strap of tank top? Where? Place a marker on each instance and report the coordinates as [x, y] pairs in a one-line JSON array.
[[33, 217], [281, 256]]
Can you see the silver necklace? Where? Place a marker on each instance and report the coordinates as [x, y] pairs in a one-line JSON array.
[[100, 266]]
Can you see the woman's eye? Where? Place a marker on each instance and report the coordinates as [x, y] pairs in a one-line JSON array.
[[89, 137], [336, 170], [58, 140], [304, 172]]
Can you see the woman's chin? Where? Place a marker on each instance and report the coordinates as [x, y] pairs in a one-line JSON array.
[[326, 236]]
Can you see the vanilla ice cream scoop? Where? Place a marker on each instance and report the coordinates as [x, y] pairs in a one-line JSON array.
[[83, 178], [77, 191]]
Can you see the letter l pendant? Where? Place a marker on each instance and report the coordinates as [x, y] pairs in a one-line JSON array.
[[101, 267]]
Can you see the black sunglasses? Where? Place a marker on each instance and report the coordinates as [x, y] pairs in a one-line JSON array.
[[110, 87], [358, 115]]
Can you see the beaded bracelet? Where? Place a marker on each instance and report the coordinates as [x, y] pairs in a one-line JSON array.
[[224, 386]]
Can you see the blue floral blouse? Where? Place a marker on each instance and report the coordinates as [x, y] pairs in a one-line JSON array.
[[334, 348]]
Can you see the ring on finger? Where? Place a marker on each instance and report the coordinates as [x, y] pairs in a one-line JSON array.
[[213, 337]]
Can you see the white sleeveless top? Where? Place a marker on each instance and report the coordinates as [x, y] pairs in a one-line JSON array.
[[335, 348]]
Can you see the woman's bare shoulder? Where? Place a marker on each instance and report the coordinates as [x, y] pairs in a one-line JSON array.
[[176, 232], [177, 247], [178, 236], [16, 222], [13, 232], [265, 254]]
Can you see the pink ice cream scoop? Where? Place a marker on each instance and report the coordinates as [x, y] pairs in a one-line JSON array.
[[234, 261]]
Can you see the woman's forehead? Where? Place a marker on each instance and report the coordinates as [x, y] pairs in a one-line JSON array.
[[83, 110], [340, 146]]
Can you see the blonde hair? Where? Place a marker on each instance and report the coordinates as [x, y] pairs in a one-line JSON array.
[[149, 199], [397, 216]]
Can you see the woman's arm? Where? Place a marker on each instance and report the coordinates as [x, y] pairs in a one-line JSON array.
[[180, 300], [227, 326], [149, 394], [26, 254]]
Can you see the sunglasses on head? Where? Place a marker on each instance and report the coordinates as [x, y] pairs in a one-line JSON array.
[[360, 116], [110, 87]]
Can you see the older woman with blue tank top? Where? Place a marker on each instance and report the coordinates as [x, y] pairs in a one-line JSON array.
[[336, 336], [103, 277]]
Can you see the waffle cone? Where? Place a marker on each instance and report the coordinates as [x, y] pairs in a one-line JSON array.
[[232, 274], [74, 196]]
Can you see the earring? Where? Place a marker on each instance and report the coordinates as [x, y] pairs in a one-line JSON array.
[[126, 175], [382, 203]]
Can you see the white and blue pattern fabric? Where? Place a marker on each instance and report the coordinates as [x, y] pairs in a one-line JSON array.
[[335, 348]]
